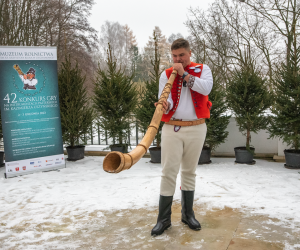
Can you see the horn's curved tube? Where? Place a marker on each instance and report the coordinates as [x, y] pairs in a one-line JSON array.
[[115, 162]]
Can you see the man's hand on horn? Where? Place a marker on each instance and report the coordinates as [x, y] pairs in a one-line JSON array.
[[165, 107], [179, 68]]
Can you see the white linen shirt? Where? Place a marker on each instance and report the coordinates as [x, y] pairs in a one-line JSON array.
[[185, 109]]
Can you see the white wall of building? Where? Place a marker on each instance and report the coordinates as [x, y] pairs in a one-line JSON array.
[[259, 141]]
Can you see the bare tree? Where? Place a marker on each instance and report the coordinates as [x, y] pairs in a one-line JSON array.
[[211, 39], [122, 42], [164, 50], [229, 30], [282, 16], [21, 21], [173, 37]]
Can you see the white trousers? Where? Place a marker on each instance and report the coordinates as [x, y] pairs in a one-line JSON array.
[[182, 148]]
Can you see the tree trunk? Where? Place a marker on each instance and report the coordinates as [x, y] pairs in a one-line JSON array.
[[248, 138], [296, 141], [157, 141]]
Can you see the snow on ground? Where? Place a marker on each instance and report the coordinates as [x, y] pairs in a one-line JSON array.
[[83, 187]]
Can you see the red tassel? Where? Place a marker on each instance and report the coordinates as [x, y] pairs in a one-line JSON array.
[[209, 105]]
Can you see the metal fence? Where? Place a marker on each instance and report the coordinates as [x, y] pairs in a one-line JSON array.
[[98, 137]]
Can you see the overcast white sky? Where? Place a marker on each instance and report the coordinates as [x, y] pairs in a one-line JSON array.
[[142, 16]]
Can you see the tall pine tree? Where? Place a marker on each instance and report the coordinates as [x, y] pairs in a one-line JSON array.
[[285, 123], [218, 121], [115, 99], [146, 108], [76, 115], [248, 98]]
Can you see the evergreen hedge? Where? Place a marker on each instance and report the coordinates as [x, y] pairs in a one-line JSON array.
[[285, 123], [146, 108], [76, 115], [219, 120], [115, 99], [248, 97]]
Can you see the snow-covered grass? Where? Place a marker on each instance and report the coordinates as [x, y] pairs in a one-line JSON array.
[[83, 188], [267, 187]]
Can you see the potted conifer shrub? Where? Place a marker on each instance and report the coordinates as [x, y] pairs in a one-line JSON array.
[[115, 99], [76, 114], [248, 98], [285, 123], [146, 108], [218, 121], [1, 144]]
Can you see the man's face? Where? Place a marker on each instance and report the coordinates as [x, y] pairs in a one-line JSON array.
[[29, 76], [182, 56]]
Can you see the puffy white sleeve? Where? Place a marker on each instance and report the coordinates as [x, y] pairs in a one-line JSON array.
[[162, 82], [203, 85], [22, 78]]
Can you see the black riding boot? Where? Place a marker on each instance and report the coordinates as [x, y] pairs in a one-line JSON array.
[[187, 212], [164, 215]]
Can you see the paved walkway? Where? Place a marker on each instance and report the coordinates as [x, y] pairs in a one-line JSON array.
[[225, 229]]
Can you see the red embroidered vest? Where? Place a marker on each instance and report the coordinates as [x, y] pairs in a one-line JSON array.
[[201, 103]]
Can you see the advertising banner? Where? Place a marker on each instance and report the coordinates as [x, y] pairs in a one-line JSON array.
[[30, 110]]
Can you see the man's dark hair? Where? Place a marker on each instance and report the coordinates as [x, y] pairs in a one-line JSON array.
[[180, 43]]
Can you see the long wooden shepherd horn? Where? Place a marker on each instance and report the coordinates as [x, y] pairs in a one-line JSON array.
[[115, 162]]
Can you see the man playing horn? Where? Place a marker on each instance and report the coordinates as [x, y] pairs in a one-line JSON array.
[[28, 79], [183, 133]]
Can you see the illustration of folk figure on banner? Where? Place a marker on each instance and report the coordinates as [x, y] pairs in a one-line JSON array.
[[28, 79]]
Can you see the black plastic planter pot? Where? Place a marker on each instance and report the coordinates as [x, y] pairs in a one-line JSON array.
[[205, 156], [75, 153], [292, 158], [1, 158], [123, 148], [155, 154], [243, 156]]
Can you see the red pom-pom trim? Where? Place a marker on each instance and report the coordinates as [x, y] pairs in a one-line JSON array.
[[209, 105]]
